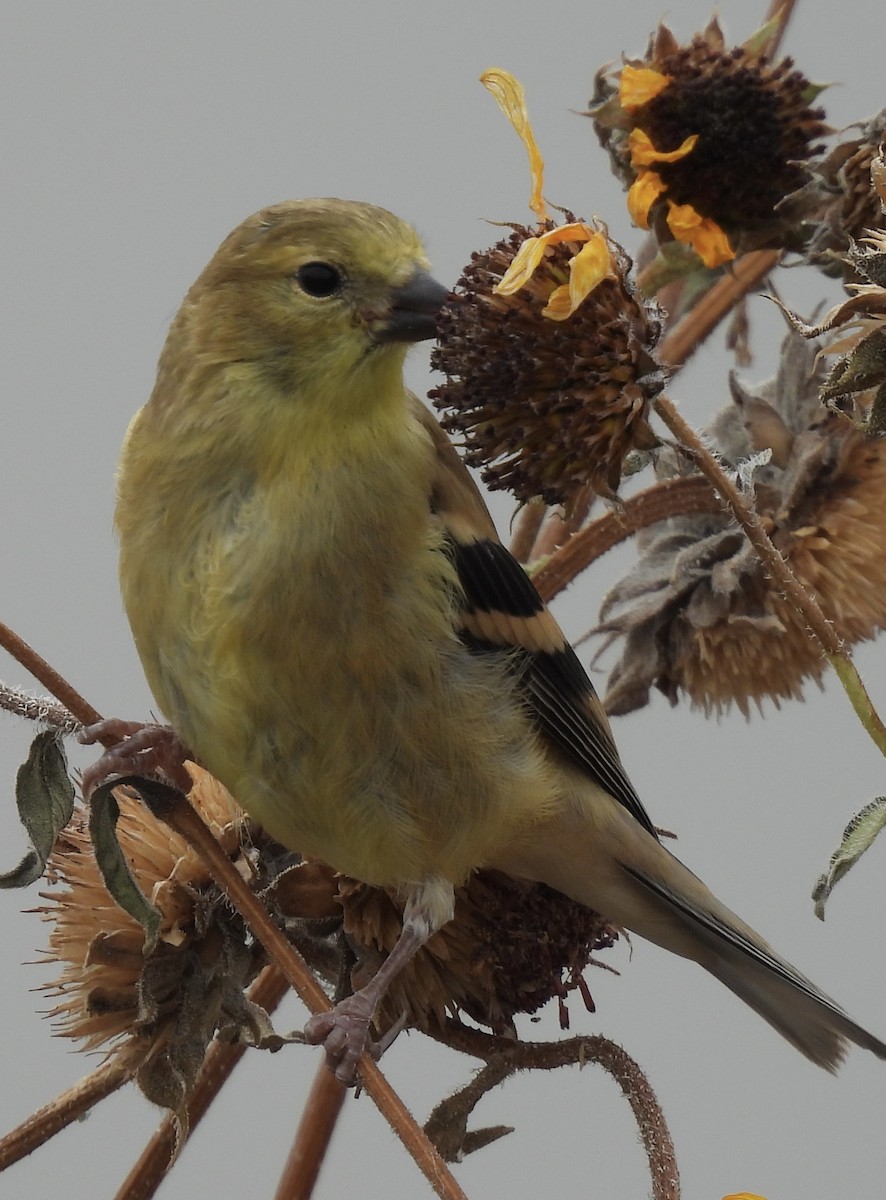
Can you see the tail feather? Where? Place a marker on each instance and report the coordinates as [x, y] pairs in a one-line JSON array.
[[724, 945]]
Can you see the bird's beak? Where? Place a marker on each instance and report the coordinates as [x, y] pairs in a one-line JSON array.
[[412, 316]]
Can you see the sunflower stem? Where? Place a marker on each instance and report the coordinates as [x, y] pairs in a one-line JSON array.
[[312, 1137], [579, 1051], [184, 819], [188, 823], [47, 676], [674, 498], [685, 338], [61, 1112], [852, 683], [783, 10], [527, 523]]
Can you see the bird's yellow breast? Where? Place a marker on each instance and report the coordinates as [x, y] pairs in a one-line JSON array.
[[300, 637]]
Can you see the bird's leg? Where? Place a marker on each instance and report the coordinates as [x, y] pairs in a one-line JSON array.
[[344, 1029], [140, 750]]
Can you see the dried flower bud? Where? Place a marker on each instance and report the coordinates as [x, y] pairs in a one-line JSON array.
[[698, 614], [706, 138]]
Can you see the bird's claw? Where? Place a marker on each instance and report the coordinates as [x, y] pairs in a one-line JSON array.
[[343, 1032], [140, 749]]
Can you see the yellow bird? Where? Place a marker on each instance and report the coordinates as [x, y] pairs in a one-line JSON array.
[[329, 621]]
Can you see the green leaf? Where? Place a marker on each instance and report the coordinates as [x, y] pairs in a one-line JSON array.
[[858, 836], [44, 796], [118, 879]]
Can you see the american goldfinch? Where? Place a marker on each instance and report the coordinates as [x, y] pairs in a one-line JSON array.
[[329, 621]]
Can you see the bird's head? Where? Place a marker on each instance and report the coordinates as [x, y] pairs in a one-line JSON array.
[[312, 292]]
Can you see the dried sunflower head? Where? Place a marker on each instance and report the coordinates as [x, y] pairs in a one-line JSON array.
[[698, 615], [707, 139], [157, 1013], [548, 351], [546, 407], [510, 948]]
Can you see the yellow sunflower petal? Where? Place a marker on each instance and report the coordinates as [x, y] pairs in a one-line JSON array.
[[522, 268], [638, 85], [644, 154], [532, 251], [586, 270], [705, 236], [642, 194], [744, 1196], [511, 99]]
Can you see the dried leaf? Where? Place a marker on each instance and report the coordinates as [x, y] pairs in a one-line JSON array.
[[44, 796], [103, 814], [858, 836]]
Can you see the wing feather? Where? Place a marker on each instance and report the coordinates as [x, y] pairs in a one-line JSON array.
[[503, 611]]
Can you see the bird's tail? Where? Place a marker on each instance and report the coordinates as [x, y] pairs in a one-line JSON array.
[[623, 872], [749, 967]]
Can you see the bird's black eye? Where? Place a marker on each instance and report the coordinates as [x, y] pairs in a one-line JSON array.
[[319, 279]]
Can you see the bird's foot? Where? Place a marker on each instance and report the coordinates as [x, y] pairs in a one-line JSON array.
[[343, 1032], [139, 749]]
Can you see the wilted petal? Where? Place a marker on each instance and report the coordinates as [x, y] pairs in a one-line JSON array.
[[586, 270], [705, 236], [644, 154], [643, 193], [638, 85], [532, 251], [511, 99]]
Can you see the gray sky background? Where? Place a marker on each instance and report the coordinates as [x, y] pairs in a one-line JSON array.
[[134, 138]]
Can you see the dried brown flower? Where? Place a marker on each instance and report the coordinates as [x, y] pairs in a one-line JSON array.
[[857, 382], [157, 1013], [840, 202], [707, 139], [698, 615], [548, 407], [547, 349], [510, 948]]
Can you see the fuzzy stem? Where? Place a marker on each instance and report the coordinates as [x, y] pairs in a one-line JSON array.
[[37, 708], [744, 513], [47, 676], [675, 497], [579, 1051]]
